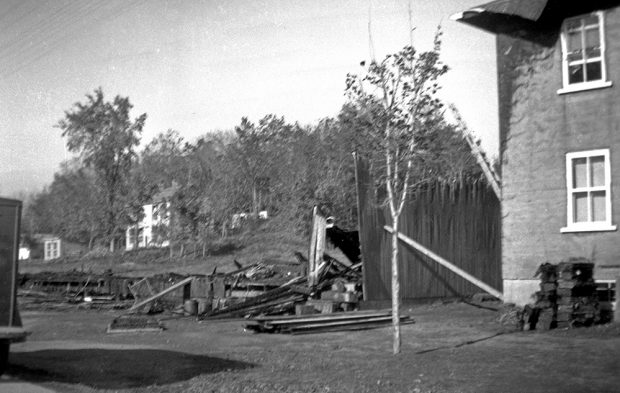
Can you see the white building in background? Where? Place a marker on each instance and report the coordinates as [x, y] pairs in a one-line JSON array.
[[24, 252], [153, 228], [149, 232]]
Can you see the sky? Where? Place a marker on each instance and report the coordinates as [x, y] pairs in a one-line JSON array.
[[200, 66]]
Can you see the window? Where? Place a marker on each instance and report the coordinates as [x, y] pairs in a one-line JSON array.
[[583, 53], [52, 249], [588, 185]]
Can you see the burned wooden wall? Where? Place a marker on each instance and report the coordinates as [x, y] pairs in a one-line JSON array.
[[459, 222]]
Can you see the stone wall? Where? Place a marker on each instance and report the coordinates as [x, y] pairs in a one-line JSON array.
[[538, 127]]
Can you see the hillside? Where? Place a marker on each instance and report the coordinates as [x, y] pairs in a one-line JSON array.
[[262, 244]]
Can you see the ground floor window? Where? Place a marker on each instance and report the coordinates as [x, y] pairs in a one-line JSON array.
[[588, 186]]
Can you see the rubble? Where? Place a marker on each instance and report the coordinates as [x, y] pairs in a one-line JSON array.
[[567, 296], [260, 289]]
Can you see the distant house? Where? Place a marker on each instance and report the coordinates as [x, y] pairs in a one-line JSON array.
[[151, 230], [49, 247], [52, 248], [24, 252], [558, 67]]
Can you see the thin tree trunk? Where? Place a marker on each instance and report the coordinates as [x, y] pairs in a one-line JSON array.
[[254, 200], [395, 287]]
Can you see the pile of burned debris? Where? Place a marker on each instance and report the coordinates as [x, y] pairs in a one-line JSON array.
[[244, 293]]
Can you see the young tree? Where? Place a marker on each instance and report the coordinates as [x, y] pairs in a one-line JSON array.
[[398, 97], [104, 136], [257, 151]]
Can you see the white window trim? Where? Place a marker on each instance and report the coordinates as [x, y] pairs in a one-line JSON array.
[[588, 226], [576, 87]]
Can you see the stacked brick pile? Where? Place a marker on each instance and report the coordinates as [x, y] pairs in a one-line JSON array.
[[544, 313], [577, 302], [567, 296]]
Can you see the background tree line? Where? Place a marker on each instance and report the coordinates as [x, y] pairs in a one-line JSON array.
[[274, 165]]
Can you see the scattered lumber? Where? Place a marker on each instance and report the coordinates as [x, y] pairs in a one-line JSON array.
[[306, 324], [134, 323], [278, 298]]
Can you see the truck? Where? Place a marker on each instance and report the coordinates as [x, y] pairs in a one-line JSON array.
[[11, 329]]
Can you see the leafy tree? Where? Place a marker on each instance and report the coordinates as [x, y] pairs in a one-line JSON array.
[[105, 138], [398, 98], [257, 150], [68, 207]]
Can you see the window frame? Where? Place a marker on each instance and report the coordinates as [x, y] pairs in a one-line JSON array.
[[52, 249], [588, 226], [581, 86]]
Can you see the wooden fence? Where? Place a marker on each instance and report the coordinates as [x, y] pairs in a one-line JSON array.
[[459, 222]]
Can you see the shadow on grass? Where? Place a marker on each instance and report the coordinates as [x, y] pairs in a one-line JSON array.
[[460, 344], [115, 369]]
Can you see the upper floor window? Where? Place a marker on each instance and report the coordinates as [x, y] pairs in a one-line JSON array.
[[583, 53], [588, 185]]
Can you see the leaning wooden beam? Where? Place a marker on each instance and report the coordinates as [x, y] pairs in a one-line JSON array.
[[446, 264], [162, 293], [488, 171]]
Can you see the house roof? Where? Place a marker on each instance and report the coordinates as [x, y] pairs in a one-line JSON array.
[[10, 202], [503, 15], [510, 16]]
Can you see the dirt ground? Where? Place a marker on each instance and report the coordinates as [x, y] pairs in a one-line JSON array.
[[452, 347]]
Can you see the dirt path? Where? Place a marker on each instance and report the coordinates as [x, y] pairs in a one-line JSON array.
[[450, 348]]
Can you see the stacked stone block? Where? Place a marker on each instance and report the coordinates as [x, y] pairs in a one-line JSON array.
[[577, 301], [543, 316], [567, 296]]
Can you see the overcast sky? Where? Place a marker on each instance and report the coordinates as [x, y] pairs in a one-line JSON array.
[[198, 66]]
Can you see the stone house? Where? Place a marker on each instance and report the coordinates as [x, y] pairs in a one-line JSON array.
[[558, 66]]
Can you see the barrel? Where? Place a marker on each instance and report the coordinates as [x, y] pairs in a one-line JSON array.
[[191, 307]]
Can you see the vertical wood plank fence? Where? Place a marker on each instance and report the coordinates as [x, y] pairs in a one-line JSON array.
[[459, 222]]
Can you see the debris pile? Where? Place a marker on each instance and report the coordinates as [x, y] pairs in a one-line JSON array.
[[329, 281], [577, 299], [544, 314], [323, 283], [567, 297], [239, 294]]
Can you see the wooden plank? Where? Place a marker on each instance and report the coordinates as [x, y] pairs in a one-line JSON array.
[[346, 328], [162, 293], [446, 264], [348, 314], [312, 249], [344, 325], [317, 246], [12, 333], [320, 318], [488, 171]]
